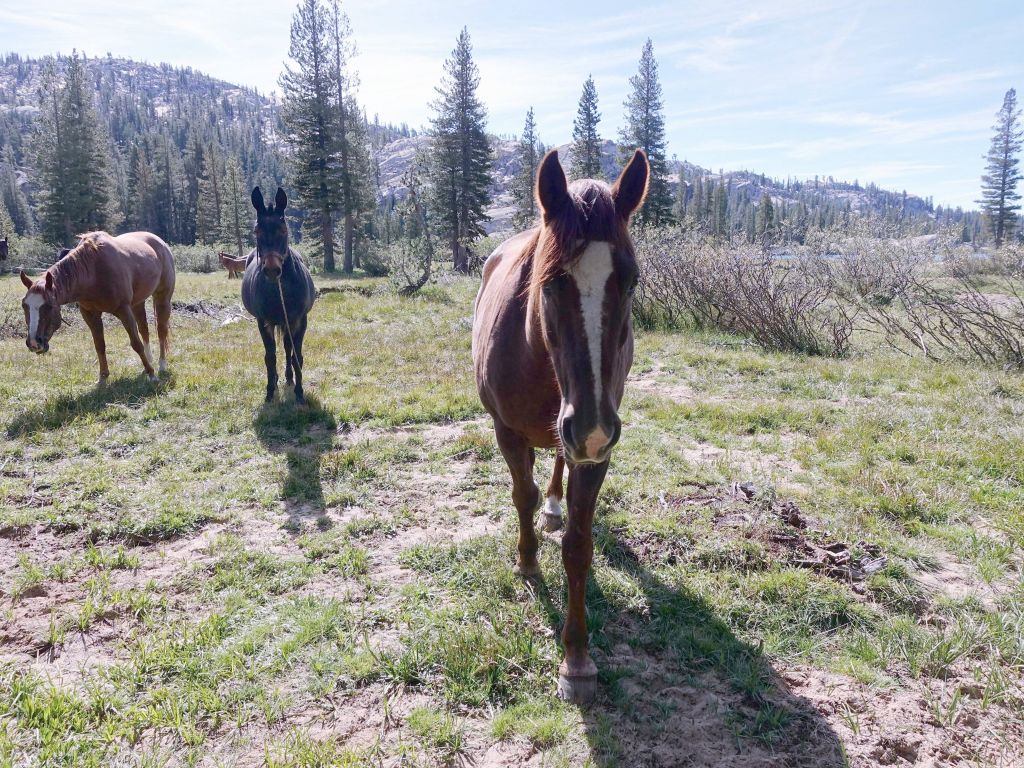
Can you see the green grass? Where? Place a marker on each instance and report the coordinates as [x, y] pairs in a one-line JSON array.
[[241, 571]]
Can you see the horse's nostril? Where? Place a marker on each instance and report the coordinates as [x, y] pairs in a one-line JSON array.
[[567, 430]]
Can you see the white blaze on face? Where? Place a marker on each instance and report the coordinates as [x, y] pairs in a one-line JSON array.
[[591, 273], [33, 301]]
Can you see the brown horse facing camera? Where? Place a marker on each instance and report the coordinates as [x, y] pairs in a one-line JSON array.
[[552, 345], [106, 274]]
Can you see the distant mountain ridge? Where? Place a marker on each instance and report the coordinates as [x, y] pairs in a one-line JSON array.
[[136, 98]]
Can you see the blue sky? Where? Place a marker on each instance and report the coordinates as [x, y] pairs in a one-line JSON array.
[[899, 93]]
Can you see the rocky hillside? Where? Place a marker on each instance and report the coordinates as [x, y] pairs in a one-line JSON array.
[[142, 100]]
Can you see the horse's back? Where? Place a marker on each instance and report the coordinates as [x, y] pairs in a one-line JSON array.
[[151, 246]]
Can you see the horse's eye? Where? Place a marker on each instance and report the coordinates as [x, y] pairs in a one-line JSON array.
[[548, 289]]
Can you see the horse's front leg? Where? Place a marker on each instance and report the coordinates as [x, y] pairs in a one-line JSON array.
[[525, 495], [269, 357], [299, 335], [95, 322], [577, 676]]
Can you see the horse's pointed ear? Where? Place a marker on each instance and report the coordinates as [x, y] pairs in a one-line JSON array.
[[257, 201], [631, 188], [552, 188], [281, 201], [26, 279], [49, 281]]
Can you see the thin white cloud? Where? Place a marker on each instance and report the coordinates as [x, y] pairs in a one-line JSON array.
[[948, 84]]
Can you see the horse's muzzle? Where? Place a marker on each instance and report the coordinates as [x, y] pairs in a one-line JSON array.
[[594, 447], [273, 273], [38, 345]]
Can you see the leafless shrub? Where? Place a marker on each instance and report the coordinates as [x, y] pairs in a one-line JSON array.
[[939, 297], [786, 302]]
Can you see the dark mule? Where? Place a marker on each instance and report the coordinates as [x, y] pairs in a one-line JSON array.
[[106, 274], [4, 249], [552, 345], [272, 270]]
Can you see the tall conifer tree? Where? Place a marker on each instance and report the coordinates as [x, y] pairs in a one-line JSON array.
[[310, 118], [528, 152], [645, 128], [585, 155], [73, 158], [460, 160], [999, 194]]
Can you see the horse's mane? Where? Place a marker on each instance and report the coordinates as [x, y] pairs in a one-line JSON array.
[[75, 265], [590, 216]]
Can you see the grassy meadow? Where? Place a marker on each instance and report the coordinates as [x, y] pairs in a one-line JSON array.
[[799, 561]]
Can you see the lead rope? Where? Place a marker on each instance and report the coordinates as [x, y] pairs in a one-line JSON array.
[[288, 327]]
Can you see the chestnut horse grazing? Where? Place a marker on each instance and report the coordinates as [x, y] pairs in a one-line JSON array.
[[278, 291], [106, 274], [235, 267], [552, 345]]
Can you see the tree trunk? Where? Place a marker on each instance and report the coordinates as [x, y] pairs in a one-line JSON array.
[[349, 228], [327, 235]]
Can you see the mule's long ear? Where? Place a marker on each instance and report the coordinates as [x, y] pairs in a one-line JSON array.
[[281, 201], [552, 188], [631, 188], [257, 201], [49, 281], [26, 279]]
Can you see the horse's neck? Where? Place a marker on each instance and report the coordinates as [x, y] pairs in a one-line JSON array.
[[534, 331], [67, 278]]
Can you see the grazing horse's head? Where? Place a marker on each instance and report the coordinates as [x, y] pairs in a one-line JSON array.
[[583, 277], [42, 311], [271, 233]]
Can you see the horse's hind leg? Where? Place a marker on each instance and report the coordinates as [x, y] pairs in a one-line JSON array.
[[95, 322], [269, 357], [289, 376], [162, 310], [552, 514], [300, 335], [126, 315], [525, 495], [139, 311]]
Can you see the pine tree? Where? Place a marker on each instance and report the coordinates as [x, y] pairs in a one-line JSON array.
[[645, 128], [309, 115], [460, 160], [236, 214], [12, 197], [999, 194], [209, 206], [351, 134], [585, 154], [766, 220], [73, 158], [522, 185], [682, 194]]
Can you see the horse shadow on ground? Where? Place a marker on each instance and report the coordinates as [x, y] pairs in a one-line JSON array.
[[303, 433], [58, 411], [678, 688]]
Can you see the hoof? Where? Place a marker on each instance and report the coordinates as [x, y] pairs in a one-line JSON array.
[[581, 690], [550, 523], [270, 397], [153, 378], [527, 571], [551, 515]]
